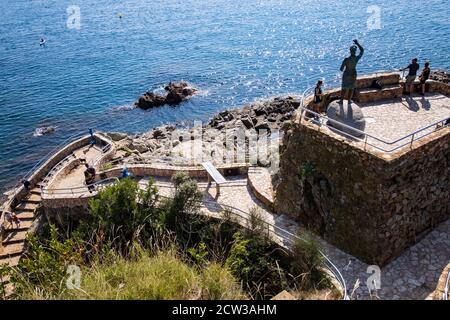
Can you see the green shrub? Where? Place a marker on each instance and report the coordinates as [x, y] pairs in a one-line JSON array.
[[306, 170], [307, 262], [44, 265], [218, 283], [251, 260]]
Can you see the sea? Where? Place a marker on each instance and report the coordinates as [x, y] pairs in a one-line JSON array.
[[100, 55]]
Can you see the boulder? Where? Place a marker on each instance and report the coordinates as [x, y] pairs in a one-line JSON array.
[[176, 93], [349, 114], [117, 136], [247, 122], [150, 100]]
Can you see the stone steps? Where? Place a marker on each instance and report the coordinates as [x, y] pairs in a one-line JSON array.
[[14, 237], [26, 206], [24, 225], [36, 190], [12, 250], [370, 94], [33, 198]]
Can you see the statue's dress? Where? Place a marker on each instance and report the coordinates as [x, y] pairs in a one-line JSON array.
[[350, 74]]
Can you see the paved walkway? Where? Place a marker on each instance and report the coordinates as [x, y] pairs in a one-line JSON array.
[[391, 120], [413, 275]]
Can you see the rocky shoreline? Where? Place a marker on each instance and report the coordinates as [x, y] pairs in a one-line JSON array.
[[161, 143]]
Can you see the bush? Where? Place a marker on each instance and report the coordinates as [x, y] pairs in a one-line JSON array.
[[307, 262], [44, 265], [252, 260], [122, 213], [218, 283]]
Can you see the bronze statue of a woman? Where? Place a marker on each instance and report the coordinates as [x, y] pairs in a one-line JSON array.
[[349, 68]]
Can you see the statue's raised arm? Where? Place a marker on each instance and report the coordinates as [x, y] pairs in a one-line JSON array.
[[361, 49]]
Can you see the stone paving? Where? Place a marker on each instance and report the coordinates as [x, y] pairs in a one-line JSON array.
[[390, 120]]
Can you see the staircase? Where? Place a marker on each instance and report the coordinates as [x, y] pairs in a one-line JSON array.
[[14, 237]]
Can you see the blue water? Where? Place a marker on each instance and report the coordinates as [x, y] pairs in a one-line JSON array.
[[234, 51]]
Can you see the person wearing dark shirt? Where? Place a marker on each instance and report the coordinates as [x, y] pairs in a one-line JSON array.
[[318, 94], [89, 176], [412, 74], [425, 76]]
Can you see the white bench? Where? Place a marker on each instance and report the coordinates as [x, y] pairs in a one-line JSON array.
[[214, 174]]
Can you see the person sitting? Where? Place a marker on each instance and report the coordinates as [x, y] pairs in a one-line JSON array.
[[411, 77], [425, 76], [125, 172]]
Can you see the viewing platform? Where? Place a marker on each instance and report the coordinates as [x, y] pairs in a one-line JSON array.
[[394, 122]]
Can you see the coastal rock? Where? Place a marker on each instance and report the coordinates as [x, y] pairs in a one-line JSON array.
[[348, 114], [440, 75], [247, 122], [176, 93], [117, 136], [43, 131]]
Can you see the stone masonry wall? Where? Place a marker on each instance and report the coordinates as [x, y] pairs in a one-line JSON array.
[[368, 206]]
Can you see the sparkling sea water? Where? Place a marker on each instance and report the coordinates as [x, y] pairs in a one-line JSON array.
[[233, 51]]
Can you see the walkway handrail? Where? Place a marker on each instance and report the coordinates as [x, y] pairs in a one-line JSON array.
[[26, 177], [446, 288], [411, 135], [293, 237], [80, 189]]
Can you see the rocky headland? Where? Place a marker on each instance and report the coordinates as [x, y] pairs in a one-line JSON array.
[[167, 143]]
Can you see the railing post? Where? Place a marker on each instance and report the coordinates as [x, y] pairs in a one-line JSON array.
[[412, 140], [365, 142]]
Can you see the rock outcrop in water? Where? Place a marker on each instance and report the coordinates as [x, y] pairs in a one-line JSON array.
[[43, 131], [176, 93]]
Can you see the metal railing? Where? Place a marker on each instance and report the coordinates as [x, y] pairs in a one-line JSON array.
[[446, 288], [79, 190], [404, 140], [15, 189], [291, 239], [285, 235]]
